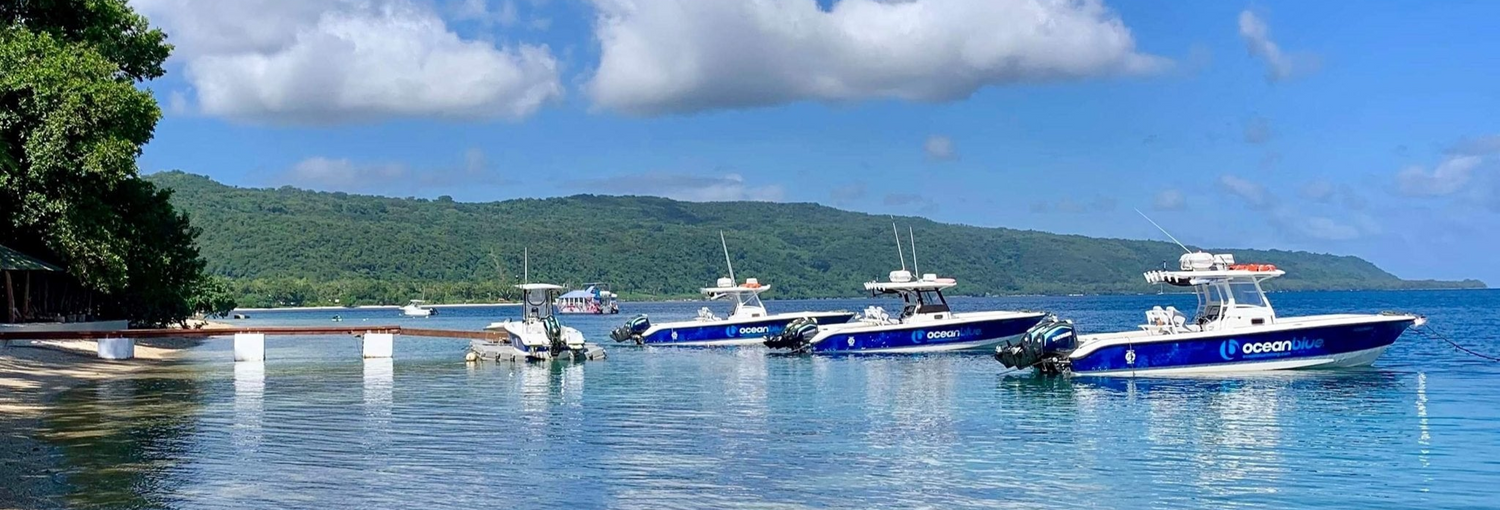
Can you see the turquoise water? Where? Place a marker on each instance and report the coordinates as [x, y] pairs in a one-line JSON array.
[[316, 427]]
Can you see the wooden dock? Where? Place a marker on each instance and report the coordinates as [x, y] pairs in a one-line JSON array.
[[269, 330], [249, 342]]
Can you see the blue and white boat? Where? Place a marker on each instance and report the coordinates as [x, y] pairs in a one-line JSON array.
[[1235, 330], [926, 324], [748, 322]]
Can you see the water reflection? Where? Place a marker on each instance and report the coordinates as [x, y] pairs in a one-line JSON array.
[[249, 407], [737, 428], [122, 440]]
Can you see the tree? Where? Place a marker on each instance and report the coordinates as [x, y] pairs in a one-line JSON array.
[[72, 123]]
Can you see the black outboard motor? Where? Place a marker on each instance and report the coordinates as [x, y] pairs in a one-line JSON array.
[[632, 329], [796, 336], [1045, 346]]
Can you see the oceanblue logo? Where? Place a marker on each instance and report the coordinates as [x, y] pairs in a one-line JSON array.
[[735, 331], [1231, 348], [917, 336], [1228, 349]]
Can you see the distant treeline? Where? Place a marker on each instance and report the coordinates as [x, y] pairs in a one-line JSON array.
[[283, 247]]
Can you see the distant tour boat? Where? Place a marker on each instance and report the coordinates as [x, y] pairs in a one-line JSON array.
[[926, 323], [415, 309], [592, 299], [1235, 330], [748, 322]]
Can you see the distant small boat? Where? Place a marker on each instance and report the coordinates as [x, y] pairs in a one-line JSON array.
[[592, 299], [415, 309], [1234, 330]]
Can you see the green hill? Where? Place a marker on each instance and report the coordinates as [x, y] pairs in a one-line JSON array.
[[289, 246]]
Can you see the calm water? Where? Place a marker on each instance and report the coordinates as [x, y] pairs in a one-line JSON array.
[[718, 428]]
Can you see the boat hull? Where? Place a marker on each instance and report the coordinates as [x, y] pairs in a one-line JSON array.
[[958, 335], [733, 333], [1352, 344]]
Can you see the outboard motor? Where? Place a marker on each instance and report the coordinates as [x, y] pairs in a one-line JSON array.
[[1045, 346], [632, 329], [795, 336], [554, 335]]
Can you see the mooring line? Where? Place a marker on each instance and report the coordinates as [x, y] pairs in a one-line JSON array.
[[1428, 331]]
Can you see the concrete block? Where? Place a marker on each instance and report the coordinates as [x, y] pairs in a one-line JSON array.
[[250, 347], [378, 345], [116, 348]]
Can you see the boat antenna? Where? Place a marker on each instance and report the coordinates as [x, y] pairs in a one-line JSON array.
[[726, 256], [909, 235], [899, 253], [526, 264], [1164, 231]]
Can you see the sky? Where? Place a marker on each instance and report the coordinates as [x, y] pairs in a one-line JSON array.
[[1356, 128]]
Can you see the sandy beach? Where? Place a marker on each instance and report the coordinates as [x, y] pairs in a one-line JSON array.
[[32, 373]]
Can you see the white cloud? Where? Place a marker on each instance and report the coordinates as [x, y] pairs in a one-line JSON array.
[[939, 148], [344, 174], [1480, 146], [674, 56], [1258, 130], [1279, 66], [1319, 227], [1169, 200], [1291, 221], [1067, 205], [1447, 178], [1318, 191], [1252, 193], [849, 193], [327, 61], [483, 12], [693, 188]]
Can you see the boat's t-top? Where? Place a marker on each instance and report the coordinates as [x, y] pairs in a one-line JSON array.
[[923, 297], [746, 297], [537, 300], [1229, 294]]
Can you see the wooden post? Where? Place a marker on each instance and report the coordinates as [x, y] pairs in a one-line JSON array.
[[26, 298], [10, 299]]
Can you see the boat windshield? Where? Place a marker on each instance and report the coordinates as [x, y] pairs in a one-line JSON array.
[[1210, 303], [746, 300], [1246, 293], [923, 301], [538, 304]]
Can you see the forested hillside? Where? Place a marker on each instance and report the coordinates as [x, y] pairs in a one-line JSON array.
[[289, 246]]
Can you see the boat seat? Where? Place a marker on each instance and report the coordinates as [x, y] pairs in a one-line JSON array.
[[1176, 319], [1156, 318], [877, 314]]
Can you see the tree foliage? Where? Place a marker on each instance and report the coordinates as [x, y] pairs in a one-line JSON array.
[[72, 123], [289, 247]]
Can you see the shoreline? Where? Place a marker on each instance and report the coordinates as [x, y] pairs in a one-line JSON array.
[[32, 375]]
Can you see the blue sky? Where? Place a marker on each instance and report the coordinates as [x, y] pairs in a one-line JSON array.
[[1367, 129]]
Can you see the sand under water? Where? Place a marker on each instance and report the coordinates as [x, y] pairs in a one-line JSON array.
[[32, 374]]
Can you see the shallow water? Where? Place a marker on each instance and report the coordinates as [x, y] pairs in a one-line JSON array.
[[315, 426]]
